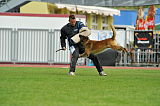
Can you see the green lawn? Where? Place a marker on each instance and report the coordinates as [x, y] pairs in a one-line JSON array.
[[22, 86]]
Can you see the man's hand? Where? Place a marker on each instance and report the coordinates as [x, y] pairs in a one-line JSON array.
[[64, 48]]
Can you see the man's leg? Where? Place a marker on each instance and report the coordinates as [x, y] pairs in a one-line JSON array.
[[74, 59], [96, 62]]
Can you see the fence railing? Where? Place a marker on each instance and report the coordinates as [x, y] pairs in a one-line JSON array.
[[19, 45], [139, 56], [31, 46]]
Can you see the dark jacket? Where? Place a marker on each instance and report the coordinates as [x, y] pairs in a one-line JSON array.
[[68, 31]]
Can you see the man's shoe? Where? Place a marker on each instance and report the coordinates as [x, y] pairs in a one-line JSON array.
[[102, 73], [71, 73]]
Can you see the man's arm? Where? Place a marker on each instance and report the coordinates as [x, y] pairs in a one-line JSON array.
[[80, 25], [63, 39]]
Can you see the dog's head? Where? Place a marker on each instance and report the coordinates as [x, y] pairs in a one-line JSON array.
[[83, 39]]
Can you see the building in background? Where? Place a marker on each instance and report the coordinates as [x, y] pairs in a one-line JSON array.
[[97, 17], [127, 17]]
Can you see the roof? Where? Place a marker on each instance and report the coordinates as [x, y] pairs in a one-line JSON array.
[[90, 9]]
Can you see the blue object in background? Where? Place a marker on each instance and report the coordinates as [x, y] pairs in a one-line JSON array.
[[157, 16], [90, 63], [127, 17]]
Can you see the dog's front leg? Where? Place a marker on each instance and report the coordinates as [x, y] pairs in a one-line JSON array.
[[83, 55], [86, 53]]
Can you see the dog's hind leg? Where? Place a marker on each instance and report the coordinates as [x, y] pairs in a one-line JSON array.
[[120, 48]]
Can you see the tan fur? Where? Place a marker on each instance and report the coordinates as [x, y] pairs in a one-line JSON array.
[[95, 47]]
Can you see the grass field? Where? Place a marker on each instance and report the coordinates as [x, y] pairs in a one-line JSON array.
[[26, 86]]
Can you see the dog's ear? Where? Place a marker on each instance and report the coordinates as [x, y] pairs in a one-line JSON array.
[[83, 38], [80, 36], [86, 37]]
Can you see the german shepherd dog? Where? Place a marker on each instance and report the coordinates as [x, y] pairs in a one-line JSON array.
[[95, 47]]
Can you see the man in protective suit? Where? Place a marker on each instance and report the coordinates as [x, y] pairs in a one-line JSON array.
[[71, 31]]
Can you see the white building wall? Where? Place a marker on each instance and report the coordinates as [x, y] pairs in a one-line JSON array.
[[35, 22]]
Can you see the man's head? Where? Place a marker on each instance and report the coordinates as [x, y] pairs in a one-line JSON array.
[[72, 20]]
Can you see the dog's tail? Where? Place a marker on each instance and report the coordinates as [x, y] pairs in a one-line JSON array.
[[114, 32]]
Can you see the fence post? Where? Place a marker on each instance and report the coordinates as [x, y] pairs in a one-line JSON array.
[[14, 45], [125, 46], [50, 46]]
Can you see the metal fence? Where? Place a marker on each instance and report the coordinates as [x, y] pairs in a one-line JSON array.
[[140, 57], [31, 46], [40, 45]]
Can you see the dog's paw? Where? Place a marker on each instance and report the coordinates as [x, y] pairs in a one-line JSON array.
[[80, 55], [124, 50]]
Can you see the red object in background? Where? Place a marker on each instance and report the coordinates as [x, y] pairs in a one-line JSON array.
[[142, 39], [150, 18], [150, 23], [140, 24]]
